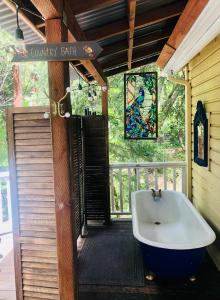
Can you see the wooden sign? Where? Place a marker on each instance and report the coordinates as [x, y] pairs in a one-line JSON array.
[[57, 52]]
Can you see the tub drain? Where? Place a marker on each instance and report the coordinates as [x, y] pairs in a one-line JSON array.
[[157, 223]]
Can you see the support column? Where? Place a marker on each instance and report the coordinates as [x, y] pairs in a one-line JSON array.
[[58, 73]]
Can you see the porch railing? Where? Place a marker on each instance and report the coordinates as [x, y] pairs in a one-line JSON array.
[[5, 204], [128, 177]]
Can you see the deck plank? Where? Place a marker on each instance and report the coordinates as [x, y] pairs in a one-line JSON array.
[[7, 272]]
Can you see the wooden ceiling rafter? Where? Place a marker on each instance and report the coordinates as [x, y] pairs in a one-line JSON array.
[[188, 17], [131, 20], [148, 18], [52, 9]]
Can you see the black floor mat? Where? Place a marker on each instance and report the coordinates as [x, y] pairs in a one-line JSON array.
[[113, 259]]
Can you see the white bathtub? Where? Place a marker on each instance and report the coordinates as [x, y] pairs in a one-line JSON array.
[[170, 229]]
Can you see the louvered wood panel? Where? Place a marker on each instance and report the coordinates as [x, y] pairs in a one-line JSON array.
[[76, 167], [96, 168], [31, 168]]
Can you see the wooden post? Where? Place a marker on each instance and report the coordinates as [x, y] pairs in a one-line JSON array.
[[105, 100], [17, 85], [58, 73]]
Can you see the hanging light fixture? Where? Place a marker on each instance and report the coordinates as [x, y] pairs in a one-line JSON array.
[[19, 36], [89, 95], [79, 85], [94, 94]]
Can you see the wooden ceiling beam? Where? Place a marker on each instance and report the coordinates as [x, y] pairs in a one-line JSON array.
[[52, 9], [131, 20], [139, 55], [81, 6], [187, 19], [148, 18], [133, 65], [138, 42]]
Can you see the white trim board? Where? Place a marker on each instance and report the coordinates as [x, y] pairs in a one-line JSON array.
[[203, 31]]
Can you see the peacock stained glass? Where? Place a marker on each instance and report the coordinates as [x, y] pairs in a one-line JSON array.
[[141, 113]]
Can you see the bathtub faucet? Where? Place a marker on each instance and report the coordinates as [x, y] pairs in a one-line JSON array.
[[156, 194]]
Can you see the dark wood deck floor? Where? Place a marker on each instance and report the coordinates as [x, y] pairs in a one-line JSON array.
[[207, 286]]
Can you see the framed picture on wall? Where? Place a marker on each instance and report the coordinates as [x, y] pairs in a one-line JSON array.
[[200, 124], [140, 106]]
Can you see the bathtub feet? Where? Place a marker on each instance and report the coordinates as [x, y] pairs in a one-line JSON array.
[[192, 278], [150, 276]]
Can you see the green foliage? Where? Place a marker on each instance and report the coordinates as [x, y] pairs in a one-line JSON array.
[[34, 78]]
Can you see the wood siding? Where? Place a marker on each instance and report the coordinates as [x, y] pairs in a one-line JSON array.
[[204, 76], [34, 225]]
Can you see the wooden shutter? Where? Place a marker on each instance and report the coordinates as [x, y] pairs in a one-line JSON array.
[[76, 168], [96, 168], [31, 165]]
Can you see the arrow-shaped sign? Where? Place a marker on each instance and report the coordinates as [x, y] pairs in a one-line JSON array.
[[57, 52]]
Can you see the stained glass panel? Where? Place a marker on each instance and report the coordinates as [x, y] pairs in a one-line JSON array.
[[140, 110]]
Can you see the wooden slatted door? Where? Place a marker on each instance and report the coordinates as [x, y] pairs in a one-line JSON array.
[[96, 168], [31, 174], [76, 169]]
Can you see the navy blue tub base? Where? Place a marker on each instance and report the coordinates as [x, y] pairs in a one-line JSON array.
[[169, 263]]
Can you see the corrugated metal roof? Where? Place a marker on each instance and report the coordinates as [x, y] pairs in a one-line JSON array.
[[8, 23], [156, 27], [145, 5], [113, 40], [102, 16]]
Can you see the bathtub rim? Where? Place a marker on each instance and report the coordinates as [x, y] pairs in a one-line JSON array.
[[210, 237]]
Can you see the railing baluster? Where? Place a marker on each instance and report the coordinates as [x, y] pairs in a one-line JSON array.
[[184, 189], [165, 178], [112, 190], [146, 178], [174, 179], [129, 188], [155, 179], [138, 178], [121, 190]]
